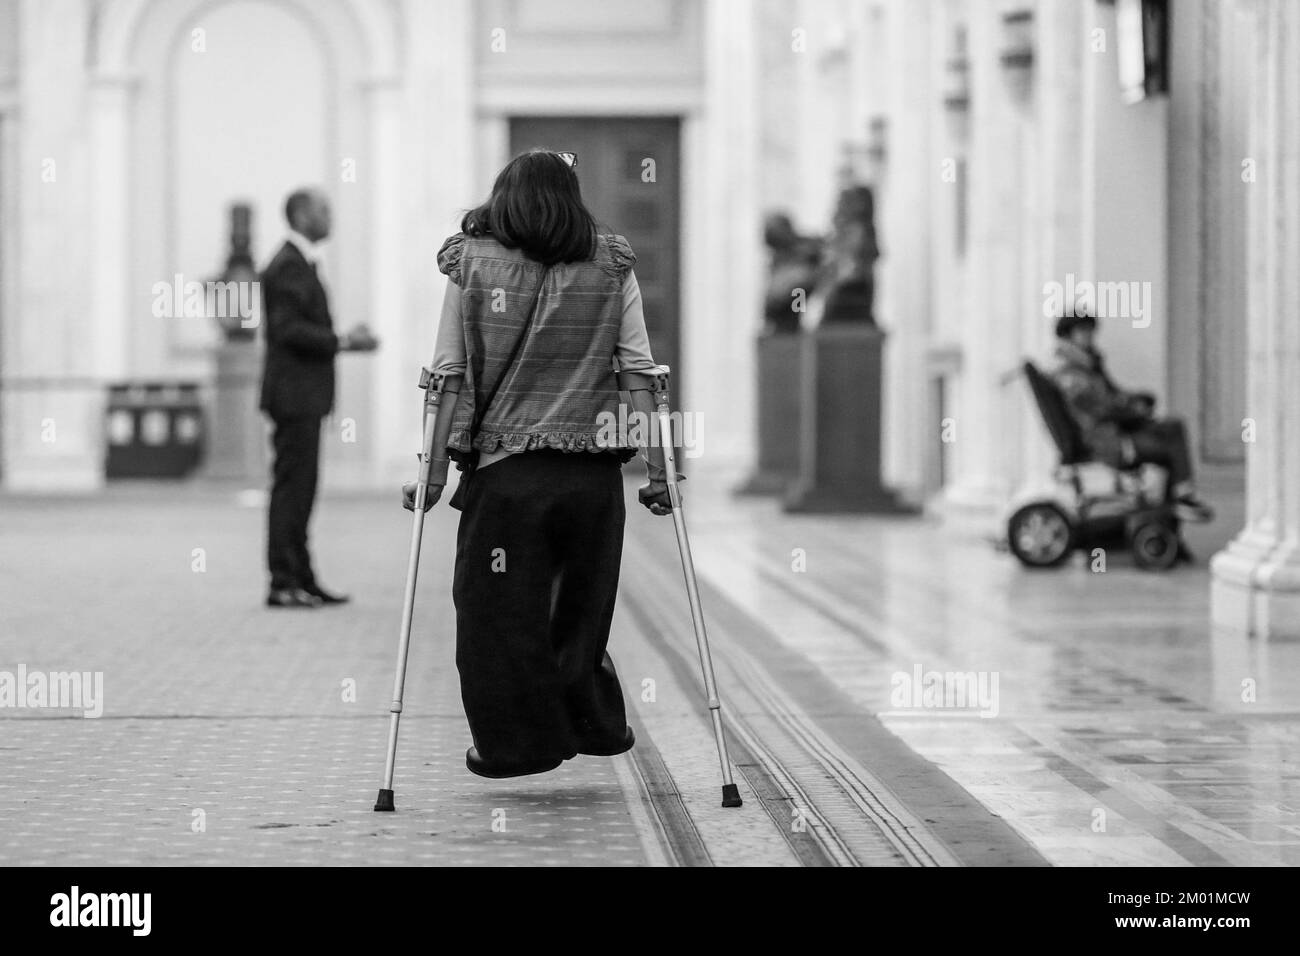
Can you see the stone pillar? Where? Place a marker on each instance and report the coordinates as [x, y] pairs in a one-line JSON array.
[[9, 311], [110, 124], [905, 223], [1060, 199], [724, 207], [421, 191], [1256, 579], [53, 435], [395, 403], [990, 319]]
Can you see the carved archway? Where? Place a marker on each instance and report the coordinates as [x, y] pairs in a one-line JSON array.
[[132, 51]]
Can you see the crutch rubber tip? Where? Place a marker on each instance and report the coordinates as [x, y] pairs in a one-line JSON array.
[[731, 795], [385, 802]]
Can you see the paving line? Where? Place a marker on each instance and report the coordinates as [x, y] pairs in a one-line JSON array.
[[805, 849], [911, 838], [751, 753], [641, 809], [906, 832], [778, 791], [884, 816], [674, 828], [888, 818]]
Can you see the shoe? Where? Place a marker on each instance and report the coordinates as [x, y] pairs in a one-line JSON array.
[[1190, 507], [478, 766], [326, 597], [292, 597], [622, 747]]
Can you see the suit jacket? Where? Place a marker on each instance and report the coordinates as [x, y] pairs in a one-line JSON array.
[[298, 378]]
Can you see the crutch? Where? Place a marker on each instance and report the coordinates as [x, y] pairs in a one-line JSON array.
[[657, 382], [434, 386]]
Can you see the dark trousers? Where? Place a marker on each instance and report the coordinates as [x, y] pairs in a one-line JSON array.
[[537, 562], [293, 492], [1164, 443]]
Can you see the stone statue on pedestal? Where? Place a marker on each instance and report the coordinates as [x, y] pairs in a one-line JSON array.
[[239, 269], [792, 275], [851, 254], [237, 449]]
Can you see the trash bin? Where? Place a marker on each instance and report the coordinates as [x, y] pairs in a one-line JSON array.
[[154, 430]]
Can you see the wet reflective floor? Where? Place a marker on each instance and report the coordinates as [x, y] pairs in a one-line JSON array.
[[1115, 726]]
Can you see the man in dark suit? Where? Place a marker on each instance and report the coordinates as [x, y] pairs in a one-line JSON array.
[[297, 392]]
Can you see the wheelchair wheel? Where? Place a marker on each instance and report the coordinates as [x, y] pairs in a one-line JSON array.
[[1155, 546], [1040, 535]]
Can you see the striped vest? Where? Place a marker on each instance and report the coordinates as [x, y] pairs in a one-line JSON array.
[[562, 383]]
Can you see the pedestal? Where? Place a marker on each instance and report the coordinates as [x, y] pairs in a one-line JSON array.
[[841, 374], [237, 446], [779, 400]]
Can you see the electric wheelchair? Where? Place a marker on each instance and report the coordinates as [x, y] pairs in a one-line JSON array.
[[1094, 505]]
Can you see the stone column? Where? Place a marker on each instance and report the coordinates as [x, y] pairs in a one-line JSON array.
[[9, 310], [395, 403], [1057, 243], [717, 350], [110, 123], [53, 435], [990, 317], [1256, 579], [905, 224], [425, 150]]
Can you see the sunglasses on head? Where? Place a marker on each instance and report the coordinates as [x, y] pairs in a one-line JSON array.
[[570, 159]]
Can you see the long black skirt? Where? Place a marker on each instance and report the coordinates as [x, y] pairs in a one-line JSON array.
[[537, 563]]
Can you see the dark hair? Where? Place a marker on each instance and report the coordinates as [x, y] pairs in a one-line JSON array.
[[536, 206], [298, 200], [1066, 324]]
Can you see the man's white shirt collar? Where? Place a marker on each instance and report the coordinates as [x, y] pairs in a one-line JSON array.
[[310, 251]]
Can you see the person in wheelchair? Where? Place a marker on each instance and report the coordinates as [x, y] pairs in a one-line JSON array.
[[1118, 426]]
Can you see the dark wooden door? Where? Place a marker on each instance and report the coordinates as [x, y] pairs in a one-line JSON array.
[[628, 195]]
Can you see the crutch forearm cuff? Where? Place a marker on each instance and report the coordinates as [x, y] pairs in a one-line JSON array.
[[654, 379], [654, 472], [436, 383]]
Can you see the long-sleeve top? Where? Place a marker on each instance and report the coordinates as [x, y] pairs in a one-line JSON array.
[[632, 351]]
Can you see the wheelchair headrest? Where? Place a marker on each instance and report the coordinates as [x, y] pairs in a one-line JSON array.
[[1060, 423]]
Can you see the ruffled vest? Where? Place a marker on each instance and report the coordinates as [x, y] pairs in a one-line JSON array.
[[561, 385]]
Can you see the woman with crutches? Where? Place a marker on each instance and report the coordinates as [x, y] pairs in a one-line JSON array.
[[539, 307]]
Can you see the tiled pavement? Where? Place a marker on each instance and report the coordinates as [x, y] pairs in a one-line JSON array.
[[236, 734]]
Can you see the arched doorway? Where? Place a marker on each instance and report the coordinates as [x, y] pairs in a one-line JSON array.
[[197, 104]]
